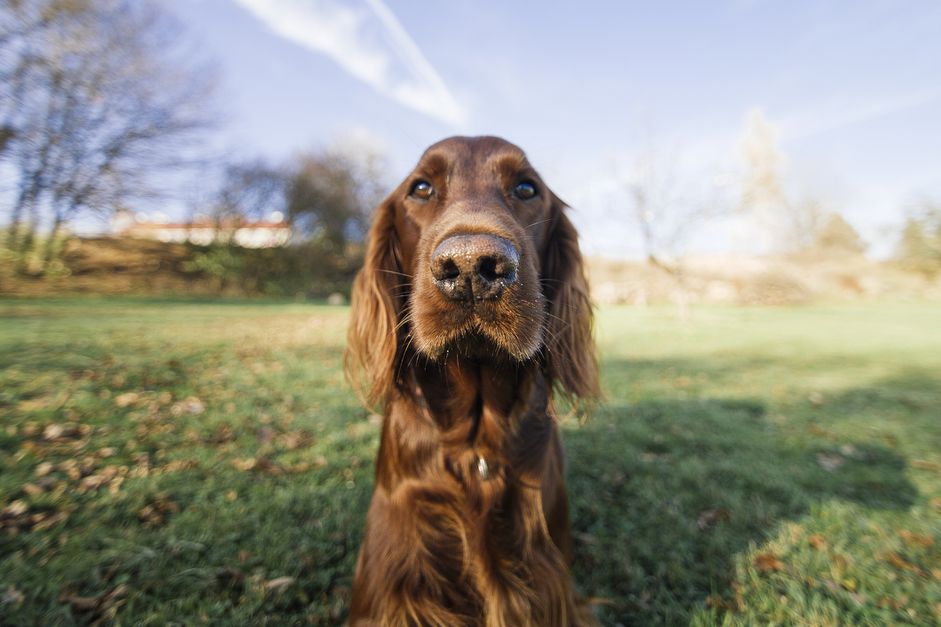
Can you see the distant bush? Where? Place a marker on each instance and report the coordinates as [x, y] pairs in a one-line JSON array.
[[773, 287], [105, 265], [837, 237], [299, 270]]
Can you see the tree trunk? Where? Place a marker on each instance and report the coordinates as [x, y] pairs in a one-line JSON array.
[[16, 217], [50, 248]]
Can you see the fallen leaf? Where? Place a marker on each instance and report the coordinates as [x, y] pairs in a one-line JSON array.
[[12, 596], [768, 562], [92, 482], [98, 604], [848, 450], [895, 604], [44, 469], [50, 521], [817, 542], [711, 517], [295, 439], [190, 405], [32, 489], [916, 539], [900, 562], [155, 513], [829, 461], [127, 399], [244, 464], [278, 584], [53, 432], [924, 464], [16, 508]]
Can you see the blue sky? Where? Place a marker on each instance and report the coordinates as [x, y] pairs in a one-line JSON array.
[[853, 90]]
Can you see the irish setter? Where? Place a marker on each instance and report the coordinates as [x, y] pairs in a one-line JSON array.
[[470, 313]]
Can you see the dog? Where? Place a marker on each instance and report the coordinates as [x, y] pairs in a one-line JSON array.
[[470, 314]]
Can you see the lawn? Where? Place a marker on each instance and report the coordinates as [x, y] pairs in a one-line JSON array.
[[205, 462]]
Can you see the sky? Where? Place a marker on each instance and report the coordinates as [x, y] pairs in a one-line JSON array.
[[852, 90]]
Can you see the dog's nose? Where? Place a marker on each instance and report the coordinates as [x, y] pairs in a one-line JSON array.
[[474, 267]]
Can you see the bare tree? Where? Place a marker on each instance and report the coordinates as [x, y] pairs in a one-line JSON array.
[[781, 221], [668, 205], [108, 99], [330, 195]]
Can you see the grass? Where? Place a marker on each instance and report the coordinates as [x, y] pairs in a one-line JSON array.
[[186, 462]]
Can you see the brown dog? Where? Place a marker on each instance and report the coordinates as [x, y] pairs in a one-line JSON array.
[[471, 310]]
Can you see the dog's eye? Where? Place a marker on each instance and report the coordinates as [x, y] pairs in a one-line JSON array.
[[421, 190], [524, 190]]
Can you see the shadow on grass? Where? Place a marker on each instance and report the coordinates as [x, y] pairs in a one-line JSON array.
[[666, 493]]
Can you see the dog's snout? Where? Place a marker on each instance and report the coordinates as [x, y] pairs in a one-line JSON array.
[[474, 267]]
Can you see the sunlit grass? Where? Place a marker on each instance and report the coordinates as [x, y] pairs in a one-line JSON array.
[[195, 462]]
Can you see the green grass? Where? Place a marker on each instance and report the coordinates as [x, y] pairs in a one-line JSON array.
[[186, 462]]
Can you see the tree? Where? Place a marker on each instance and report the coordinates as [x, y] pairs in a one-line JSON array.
[[919, 246], [781, 222], [838, 237], [250, 191], [105, 98], [331, 194], [667, 207]]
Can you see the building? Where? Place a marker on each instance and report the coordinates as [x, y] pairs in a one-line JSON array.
[[262, 234]]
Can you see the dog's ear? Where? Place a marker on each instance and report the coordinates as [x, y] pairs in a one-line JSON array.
[[570, 348], [372, 338]]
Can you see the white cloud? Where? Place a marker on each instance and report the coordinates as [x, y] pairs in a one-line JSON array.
[[367, 40]]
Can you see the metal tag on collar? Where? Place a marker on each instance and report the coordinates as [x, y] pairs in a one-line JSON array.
[[483, 468]]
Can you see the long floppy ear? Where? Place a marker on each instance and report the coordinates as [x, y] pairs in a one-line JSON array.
[[570, 348], [372, 344]]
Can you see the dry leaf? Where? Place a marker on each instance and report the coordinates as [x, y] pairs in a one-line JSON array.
[[16, 508], [50, 521], [103, 602], [190, 405], [829, 461], [817, 542], [32, 489], [278, 584], [768, 562], [711, 517], [244, 464], [127, 399], [44, 469], [916, 539], [924, 464], [900, 562], [12, 596]]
